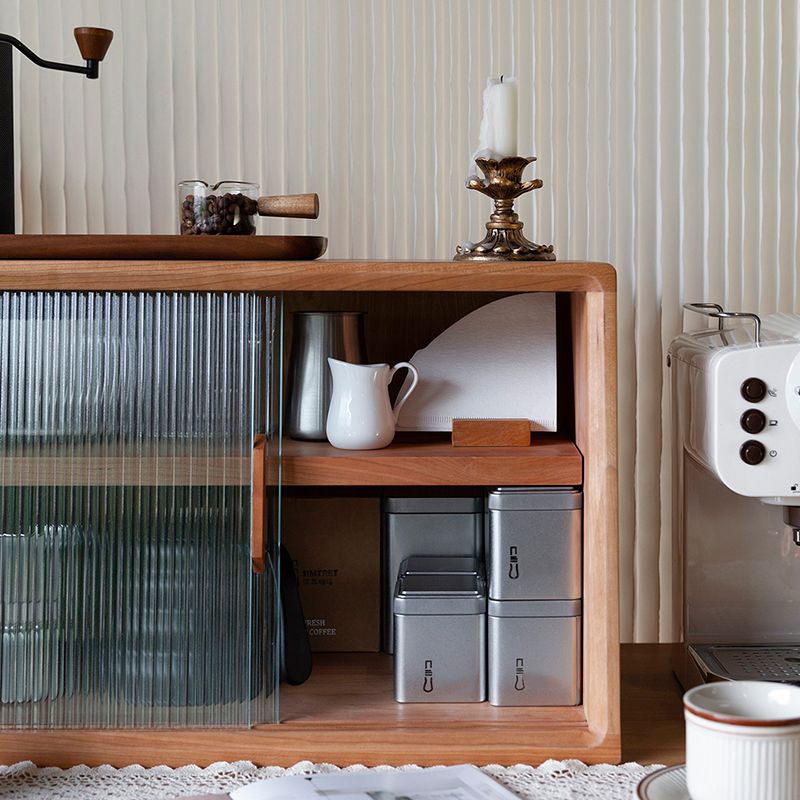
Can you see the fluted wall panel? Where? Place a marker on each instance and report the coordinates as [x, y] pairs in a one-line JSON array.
[[667, 137]]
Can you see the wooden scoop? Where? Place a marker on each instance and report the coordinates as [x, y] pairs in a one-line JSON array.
[[299, 206]]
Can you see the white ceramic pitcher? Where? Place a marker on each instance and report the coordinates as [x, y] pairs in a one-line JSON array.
[[360, 416]]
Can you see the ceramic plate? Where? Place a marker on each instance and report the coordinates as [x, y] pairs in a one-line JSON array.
[[663, 784]]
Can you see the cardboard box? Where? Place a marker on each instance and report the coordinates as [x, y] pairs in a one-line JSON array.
[[335, 545]]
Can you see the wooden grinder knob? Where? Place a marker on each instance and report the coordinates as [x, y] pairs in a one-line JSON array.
[[93, 42], [299, 206]]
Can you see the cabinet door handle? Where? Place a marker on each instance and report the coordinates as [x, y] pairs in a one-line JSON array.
[[258, 533]]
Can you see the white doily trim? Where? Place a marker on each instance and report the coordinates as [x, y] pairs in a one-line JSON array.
[[553, 780]]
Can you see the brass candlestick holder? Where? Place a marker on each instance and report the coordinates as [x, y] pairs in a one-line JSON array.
[[504, 240]]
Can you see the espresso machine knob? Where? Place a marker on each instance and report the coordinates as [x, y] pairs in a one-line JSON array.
[[753, 421], [752, 452], [754, 390]]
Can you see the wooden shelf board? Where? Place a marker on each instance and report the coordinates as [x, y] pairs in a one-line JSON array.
[[652, 730], [430, 460], [357, 689], [345, 714], [93, 468], [413, 459], [101, 274], [286, 745]]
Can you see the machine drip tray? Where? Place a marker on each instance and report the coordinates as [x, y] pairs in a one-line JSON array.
[[770, 662]]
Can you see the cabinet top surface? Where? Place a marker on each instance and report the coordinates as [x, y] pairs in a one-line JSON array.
[[320, 275]]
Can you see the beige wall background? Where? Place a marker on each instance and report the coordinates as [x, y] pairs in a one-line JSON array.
[[666, 132]]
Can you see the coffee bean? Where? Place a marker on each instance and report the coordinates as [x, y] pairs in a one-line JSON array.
[[228, 214]]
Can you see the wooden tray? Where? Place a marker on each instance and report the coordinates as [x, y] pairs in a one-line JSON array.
[[112, 247]]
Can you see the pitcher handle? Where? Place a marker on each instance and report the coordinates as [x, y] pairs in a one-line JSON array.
[[398, 404]]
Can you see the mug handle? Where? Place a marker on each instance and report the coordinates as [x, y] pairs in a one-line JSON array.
[[398, 404]]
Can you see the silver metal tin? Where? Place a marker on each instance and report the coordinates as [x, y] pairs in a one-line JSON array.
[[440, 625], [425, 526], [316, 336], [434, 565], [534, 544], [440, 659], [534, 660], [535, 608], [433, 505], [534, 498], [440, 594]]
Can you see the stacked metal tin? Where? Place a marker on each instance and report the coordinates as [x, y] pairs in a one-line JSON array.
[[457, 639], [534, 624], [440, 631]]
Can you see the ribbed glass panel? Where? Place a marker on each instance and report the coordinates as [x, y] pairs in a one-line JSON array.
[[127, 425]]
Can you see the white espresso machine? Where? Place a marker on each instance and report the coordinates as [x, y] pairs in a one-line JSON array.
[[736, 472]]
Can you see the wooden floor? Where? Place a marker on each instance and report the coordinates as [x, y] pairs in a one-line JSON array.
[[652, 720]]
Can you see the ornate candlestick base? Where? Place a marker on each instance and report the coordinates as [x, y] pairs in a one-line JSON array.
[[504, 240]]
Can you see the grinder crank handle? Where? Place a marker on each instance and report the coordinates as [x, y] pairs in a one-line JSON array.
[[299, 206]]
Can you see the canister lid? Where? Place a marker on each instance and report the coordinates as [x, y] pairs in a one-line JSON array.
[[433, 565], [532, 498], [440, 593], [433, 505], [535, 608], [441, 584]]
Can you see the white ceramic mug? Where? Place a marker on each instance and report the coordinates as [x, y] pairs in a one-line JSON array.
[[360, 416], [743, 741]]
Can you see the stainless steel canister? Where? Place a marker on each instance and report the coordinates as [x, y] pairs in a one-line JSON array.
[[425, 526], [440, 627], [534, 652], [317, 336], [534, 544]]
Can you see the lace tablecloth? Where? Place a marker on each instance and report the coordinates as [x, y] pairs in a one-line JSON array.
[[553, 780]]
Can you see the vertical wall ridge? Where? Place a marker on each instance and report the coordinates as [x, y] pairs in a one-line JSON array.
[[666, 138]]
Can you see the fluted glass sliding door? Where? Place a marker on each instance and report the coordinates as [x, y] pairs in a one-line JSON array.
[[136, 550]]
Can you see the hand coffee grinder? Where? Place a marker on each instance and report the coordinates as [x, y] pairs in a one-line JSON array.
[[93, 44]]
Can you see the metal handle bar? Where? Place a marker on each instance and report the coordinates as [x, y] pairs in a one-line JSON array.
[[716, 311]]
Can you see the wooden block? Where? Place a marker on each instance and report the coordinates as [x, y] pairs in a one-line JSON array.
[[491, 433]]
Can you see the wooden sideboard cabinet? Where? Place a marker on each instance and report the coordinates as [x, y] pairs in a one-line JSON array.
[[346, 712]]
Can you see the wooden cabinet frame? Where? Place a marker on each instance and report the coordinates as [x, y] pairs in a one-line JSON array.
[[367, 730]]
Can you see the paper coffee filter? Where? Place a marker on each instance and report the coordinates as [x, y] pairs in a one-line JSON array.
[[498, 362]]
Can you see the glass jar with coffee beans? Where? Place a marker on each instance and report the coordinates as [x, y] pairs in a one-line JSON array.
[[228, 208]]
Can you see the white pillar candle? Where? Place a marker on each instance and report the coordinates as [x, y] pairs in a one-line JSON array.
[[499, 123]]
